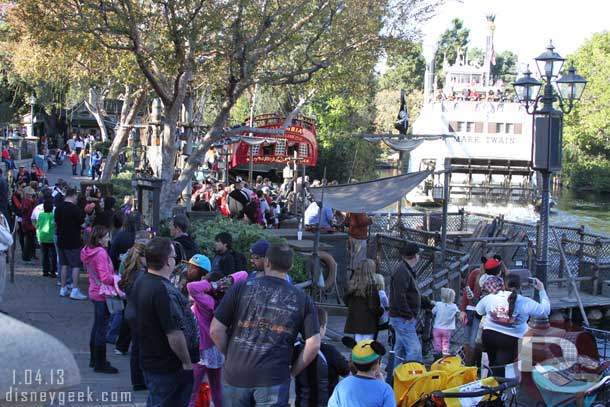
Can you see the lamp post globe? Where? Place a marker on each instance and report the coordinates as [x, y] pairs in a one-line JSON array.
[[527, 88], [571, 86], [549, 62]]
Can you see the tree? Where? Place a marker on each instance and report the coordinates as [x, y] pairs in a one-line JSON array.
[[505, 67], [475, 56], [587, 127], [226, 46], [451, 41], [406, 66]]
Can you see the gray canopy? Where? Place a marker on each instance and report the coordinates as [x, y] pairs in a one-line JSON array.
[[371, 195]]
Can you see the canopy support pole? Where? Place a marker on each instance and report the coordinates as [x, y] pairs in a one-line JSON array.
[[445, 209], [315, 257], [399, 202]]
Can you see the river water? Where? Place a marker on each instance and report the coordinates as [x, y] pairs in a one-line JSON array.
[[571, 209]]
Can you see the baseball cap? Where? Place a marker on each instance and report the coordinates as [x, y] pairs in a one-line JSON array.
[[492, 266], [260, 247], [201, 261]]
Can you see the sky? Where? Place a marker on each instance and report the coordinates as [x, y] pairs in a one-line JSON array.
[[569, 25]]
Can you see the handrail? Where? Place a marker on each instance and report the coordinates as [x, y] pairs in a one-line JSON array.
[[572, 276]]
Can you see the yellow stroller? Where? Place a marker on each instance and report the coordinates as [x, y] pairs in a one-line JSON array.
[[412, 381]]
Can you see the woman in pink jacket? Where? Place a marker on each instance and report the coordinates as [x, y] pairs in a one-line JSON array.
[[99, 268], [207, 293]]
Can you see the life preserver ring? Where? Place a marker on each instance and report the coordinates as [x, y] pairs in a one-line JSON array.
[[331, 266]]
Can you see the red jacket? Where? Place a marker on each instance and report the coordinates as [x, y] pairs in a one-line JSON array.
[[474, 286], [28, 208], [358, 224]]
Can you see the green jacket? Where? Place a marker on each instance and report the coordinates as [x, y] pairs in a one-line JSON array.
[[45, 227]]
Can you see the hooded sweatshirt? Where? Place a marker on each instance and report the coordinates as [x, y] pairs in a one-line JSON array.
[[204, 306], [97, 261], [496, 307]]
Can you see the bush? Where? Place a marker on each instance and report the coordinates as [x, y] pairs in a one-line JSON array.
[[243, 237], [588, 173], [103, 146], [121, 184]]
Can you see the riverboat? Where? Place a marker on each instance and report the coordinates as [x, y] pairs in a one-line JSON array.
[[274, 151], [483, 134]]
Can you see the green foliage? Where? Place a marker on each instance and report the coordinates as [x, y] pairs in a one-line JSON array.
[[243, 237], [505, 68], [121, 184], [476, 56], [587, 127], [589, 173], [454, 38], [406, 67], [103, 146]]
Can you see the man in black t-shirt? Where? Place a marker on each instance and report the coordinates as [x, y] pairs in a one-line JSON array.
[[166, 329], [68, 220], [264, 317]]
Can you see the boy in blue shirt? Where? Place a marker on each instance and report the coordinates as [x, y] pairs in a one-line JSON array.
[[366, 388]]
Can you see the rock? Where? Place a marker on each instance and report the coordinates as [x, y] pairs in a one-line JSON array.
[[32, 362]]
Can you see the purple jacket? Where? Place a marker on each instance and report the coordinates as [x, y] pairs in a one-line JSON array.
[[204, 306]]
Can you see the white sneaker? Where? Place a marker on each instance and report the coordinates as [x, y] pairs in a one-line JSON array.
[[77, 295], [63, 291]]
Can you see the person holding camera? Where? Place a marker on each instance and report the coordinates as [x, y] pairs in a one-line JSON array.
[[507, 314], [207, 293]]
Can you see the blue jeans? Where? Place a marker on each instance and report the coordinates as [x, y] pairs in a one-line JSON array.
[[100, 323], [169, 389], [114, 326], [471, 329], [407, 346], [273, 396]]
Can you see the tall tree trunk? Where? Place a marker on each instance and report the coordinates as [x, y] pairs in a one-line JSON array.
[[131, 105], [95, 106], [169, 194]]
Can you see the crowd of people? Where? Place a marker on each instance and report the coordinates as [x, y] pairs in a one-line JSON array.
[[243, 327]]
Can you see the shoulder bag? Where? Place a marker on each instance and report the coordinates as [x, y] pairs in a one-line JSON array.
[[113, 301]]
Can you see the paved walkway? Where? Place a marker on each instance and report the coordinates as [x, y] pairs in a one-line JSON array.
[[34, 300]]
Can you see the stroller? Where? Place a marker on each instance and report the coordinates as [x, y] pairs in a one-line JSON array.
[[447, 383]]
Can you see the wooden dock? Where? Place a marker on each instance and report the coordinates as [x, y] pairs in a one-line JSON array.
[[560, 299]]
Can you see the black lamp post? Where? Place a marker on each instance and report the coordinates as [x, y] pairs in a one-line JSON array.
[[547, 129]]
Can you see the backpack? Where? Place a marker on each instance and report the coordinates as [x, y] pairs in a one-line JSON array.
[[251, 210], [179, 274], [241, 264]]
